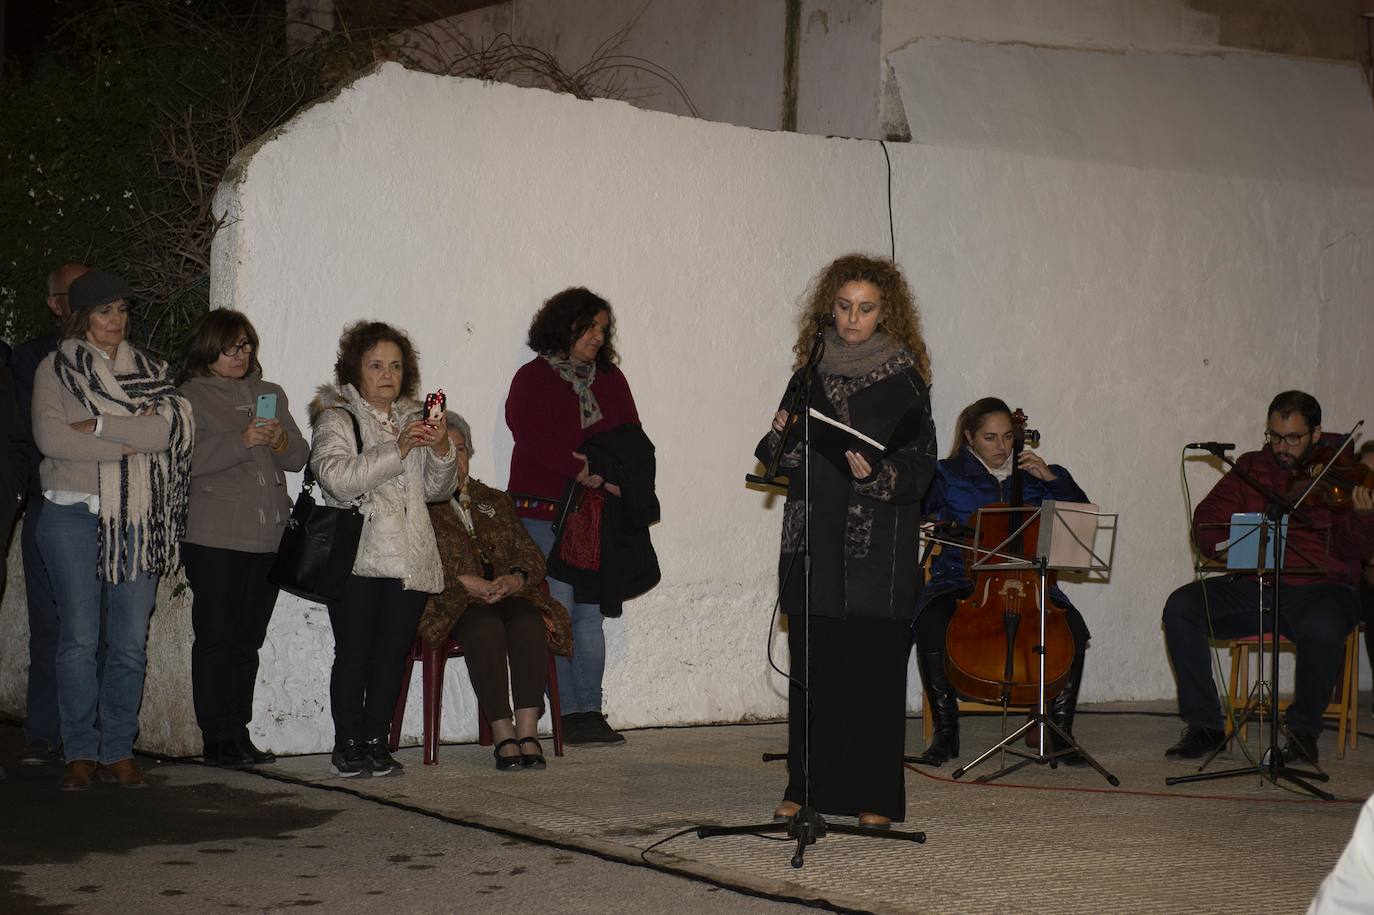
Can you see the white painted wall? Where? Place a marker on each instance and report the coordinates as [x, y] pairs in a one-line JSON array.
[[1159, 25], [1128, 305]]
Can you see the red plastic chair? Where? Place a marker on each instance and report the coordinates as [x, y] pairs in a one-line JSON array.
[[432, 662]]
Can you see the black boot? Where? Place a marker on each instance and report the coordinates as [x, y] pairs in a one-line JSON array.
[[942, 705], [1062, 709]]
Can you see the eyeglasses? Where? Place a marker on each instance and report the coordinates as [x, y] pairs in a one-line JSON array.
[[1292, 439], [244, 346]]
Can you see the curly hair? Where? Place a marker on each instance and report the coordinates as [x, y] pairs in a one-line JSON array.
[[565, 317], [899, 316], [361, 337], [971, 419], [214, 332]]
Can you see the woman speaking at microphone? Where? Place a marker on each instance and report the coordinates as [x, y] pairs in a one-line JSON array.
[[874, 376]]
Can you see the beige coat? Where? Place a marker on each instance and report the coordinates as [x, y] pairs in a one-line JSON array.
[[397, 539], [238, 494]]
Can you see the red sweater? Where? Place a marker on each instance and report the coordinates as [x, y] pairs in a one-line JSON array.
[[543, 416], [1351, 535]]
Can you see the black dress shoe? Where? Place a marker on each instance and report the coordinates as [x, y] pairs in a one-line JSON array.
[[1300, 749], [533, 760], [259, 757], [227, 754], [507, 763], [1196, 742]]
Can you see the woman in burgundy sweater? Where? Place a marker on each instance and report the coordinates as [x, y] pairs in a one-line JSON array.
[[569, 392]]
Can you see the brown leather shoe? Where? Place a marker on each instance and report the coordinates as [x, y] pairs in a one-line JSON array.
[[786, 811], [80, 774], [124, 773]]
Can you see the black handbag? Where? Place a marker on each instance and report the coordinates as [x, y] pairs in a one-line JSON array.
[[320, 543]]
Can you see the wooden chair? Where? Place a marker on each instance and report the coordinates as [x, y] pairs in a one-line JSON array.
[[1344, 706], [965, 705], [432, 662]]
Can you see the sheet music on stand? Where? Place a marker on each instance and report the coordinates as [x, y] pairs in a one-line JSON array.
[[1239, 549], [1068, 538]]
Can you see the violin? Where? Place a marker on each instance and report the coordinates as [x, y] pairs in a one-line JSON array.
[[1346, 472], [992, 644]]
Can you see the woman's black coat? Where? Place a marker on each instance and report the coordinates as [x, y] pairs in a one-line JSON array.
[[865, 534]]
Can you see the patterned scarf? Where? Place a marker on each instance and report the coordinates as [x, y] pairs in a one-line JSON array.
[[858, 360], [143, 497], [580, 375]]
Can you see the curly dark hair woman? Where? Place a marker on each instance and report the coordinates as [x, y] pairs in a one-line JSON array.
[[571, 392], [361, 337], [563, 319]]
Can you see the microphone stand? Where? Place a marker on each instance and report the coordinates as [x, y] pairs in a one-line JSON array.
[[1271, 765], [807, 825]]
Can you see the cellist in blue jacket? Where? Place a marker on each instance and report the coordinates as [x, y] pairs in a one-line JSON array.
[[977, 474]]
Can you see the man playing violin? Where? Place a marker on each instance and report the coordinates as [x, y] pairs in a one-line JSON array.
[[1318, 608]]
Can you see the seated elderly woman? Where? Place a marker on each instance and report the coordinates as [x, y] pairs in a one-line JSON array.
[[493, 604]]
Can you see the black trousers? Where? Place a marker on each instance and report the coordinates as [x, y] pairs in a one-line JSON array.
[[1316, 617], [858, 715], [491, 634], [1367, 615], [374, 625], [231, 605]]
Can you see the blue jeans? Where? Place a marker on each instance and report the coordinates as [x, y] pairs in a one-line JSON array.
[[579, 679], [98, 708]]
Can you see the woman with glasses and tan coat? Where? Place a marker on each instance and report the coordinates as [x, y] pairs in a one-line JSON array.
[[245, 444]]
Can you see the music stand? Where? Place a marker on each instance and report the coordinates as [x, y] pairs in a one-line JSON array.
[[1067, 542], [1267, 535]]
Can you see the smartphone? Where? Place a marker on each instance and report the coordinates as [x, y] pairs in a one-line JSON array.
[[435, 405], [266, 407]]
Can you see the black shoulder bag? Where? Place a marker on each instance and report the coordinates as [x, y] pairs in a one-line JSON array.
[[320, 542]]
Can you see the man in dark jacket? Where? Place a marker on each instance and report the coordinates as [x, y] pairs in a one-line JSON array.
[[42, 727], [1318, 608]]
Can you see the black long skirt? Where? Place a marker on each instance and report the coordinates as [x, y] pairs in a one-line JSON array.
[[858, 715]]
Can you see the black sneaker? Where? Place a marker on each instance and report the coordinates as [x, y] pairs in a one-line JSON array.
[[1196, 742], [592, 730], [379, 760], [349, 759], [40, 753]]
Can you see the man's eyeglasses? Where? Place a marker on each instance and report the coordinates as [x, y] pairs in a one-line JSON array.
[[243, 346], [1292, 439]]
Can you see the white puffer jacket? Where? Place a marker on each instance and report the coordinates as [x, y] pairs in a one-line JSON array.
[[397, 539]]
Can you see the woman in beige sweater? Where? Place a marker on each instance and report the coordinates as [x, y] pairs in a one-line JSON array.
[[116, 442]]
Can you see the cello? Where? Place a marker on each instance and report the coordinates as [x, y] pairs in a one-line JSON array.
[[992, 644]]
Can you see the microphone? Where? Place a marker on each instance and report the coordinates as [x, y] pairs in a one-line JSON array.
[[825, 320], [1214, 447]]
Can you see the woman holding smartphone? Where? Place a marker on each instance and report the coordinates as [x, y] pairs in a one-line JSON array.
[[245, 442], [374, 446]]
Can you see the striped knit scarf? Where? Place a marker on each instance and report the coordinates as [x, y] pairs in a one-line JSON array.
[[143, 497]]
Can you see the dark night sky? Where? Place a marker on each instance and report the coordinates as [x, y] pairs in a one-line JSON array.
[[28, 23]]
